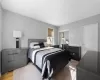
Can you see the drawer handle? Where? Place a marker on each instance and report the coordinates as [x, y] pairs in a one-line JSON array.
[[11, 61], [72, 53], [15, 53], [12, 53]]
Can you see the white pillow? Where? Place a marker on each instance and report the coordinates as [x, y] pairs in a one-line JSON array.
[[32, 44], [36, 47]]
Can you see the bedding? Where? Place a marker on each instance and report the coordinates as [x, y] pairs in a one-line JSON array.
[[41, 44], [32, 44], [49, 60], [37, 45]]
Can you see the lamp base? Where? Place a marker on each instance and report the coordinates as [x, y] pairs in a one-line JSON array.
[[17, 42]]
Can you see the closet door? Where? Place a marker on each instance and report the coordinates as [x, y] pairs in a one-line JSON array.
[[90, 38]]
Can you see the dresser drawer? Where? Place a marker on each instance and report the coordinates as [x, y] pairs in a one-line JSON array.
[[7, 66], [6, 58], [11, 65], [11, 51], [12, 54], [20, 57], [20, 62]]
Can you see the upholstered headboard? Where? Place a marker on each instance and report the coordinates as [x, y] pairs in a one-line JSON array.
[[35, 40]]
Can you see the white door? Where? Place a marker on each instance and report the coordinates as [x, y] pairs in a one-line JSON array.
[[90, 38]]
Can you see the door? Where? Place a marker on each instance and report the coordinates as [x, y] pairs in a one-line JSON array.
[[90, 38]]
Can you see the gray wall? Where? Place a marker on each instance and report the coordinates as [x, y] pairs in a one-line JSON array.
[[0, 28], [31, 29], [66, 35], [0, 36], [75, 37], [76, 29]]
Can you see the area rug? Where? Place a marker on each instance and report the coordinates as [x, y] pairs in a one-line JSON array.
[[29, 72]]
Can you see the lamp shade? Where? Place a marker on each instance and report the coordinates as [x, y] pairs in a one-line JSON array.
[[17, 34]]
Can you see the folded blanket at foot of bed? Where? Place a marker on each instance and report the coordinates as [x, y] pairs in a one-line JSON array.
[[46, 70]]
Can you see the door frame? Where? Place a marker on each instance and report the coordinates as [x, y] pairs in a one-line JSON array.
[[59, 35]]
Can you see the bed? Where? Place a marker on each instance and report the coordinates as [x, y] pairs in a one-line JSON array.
[[48, 60]]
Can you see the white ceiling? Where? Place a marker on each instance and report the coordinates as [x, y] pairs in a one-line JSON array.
[[56, 12]]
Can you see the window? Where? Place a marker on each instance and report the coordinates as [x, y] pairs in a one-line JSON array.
[[50, 38]]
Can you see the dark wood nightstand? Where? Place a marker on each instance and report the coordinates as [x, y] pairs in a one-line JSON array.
[[13, 59], [74, 51]]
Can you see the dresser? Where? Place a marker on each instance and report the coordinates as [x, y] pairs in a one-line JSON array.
[[74, 51], [13, 59], [0, 63]]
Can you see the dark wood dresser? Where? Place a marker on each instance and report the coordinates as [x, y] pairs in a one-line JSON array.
[[13, 59], [75, 51]]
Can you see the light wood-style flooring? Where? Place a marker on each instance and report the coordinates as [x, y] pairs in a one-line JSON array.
[[65, 74], [7, 76]]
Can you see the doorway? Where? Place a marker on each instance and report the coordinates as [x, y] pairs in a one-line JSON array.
[[63, 37], [90, 38]]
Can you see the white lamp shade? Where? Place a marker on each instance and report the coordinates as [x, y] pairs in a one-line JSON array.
[[17, 34]]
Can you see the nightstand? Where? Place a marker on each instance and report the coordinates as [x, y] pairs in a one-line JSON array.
[[13, 59], [74, 51]]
